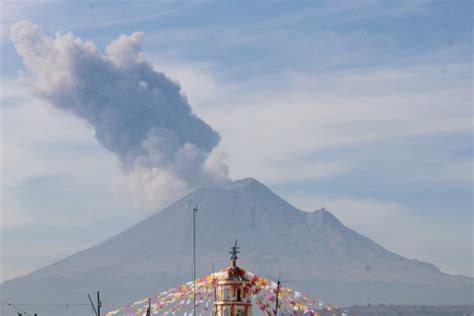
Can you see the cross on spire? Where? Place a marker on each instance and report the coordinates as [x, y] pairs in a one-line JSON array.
[[234, 252]]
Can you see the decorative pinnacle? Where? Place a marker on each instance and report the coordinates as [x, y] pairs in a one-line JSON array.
[[234, 252]]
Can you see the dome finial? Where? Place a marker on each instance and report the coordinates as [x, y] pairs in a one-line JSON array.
[[234, 252]]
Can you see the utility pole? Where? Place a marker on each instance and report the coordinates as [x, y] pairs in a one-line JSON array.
[[148, 311], [99, 303], [194, 260], [92, 304]]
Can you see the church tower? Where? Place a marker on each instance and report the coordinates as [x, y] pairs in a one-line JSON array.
[[232, 297]]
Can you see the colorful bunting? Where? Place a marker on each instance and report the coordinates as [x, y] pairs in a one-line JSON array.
[[178, 301]]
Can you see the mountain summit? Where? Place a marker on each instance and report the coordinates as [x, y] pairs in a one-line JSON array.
[[326, 258]]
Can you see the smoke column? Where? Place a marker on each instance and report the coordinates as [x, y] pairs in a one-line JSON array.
[[137, 113]]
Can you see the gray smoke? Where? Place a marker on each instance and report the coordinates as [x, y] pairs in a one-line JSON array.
[[137, 113]]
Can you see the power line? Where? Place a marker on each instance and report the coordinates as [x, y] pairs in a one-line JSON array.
[[15, 307], [21, 311], [45, 305]]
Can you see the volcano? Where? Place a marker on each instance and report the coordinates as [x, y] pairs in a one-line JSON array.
[[323, 257]]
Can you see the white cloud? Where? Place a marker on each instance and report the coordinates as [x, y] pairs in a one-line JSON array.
[[12, 215], [29, 130], [276, 132]]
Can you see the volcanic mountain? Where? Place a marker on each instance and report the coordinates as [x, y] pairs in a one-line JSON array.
[[326, 258]]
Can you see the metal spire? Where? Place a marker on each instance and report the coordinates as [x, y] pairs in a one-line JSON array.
[[234, 252]]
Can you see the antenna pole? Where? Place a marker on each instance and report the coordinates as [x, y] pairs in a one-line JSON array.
[[276, 301], [194, 260]]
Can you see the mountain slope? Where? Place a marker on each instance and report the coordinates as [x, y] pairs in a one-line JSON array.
[[330, 260]]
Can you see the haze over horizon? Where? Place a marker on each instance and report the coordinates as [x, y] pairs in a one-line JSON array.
[[364, 108]]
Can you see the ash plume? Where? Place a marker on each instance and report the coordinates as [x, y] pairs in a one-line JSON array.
[[137, 113]]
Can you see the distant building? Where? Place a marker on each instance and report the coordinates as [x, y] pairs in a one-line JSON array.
[[232, 295]]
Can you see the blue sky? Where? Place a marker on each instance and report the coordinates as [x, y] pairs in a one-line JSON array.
[[363, 107]]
